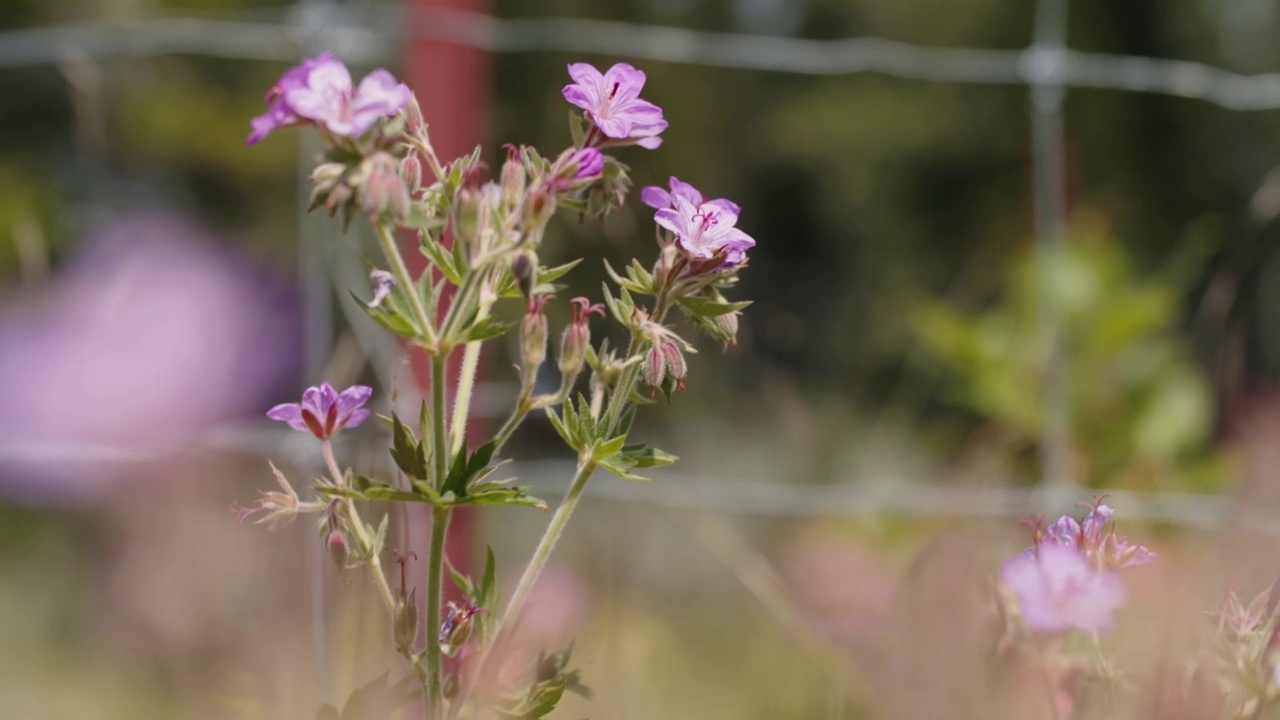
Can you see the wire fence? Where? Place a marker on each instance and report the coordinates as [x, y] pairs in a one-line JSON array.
[[1047, 68]]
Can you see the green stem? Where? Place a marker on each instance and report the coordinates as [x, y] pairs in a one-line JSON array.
[[541, 554], [466, 383], [435, 583], [406, 281], [439, 420], [517, 416]]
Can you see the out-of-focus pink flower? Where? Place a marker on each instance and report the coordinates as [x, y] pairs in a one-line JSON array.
[[1092, 538], [1058, 589], [149, 337], [555, 609], [320, 90]]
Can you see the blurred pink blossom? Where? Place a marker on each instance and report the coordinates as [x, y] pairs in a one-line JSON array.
[[150, 335]]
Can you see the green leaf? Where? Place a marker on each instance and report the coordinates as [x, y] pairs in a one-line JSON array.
[[487, 328], [467, 469], [423, 221], [547, 275], [408, 453], [605, 448], [711, 308], [503, 496], [388, 317], [441, 258], [488, 594], [646, 457], [561, 428]]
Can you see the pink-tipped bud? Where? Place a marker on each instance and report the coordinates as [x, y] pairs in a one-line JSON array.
[[466, 223], [539, 206], [383, 191], [513, 178], [337, 547], [414, 124], [533, 335], [577, 336], [727, 325], [411, 171], [655, 367], [677, 369], [406, 620]]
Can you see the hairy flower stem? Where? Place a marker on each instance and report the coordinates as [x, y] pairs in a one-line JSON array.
[[357, 527], [439, 526], [435, 583], [406, 282], [466, 383]]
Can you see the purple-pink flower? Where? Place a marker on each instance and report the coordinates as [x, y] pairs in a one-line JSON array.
[[612, 103], [704, 230], [320, 90], [323, 411], [1058, 589], [658, 198]]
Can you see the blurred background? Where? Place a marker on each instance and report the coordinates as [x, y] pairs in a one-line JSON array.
[[1010, 255]]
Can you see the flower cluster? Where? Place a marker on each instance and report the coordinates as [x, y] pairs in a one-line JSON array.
[[482, 238], [1067, 578]]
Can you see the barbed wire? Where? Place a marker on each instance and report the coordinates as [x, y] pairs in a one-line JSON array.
[[307, 25]]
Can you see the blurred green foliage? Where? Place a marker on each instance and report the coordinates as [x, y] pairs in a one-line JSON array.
[[1141, 408]]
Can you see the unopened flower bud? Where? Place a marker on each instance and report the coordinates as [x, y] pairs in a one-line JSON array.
[[326, 174], [466, 222], [577, 336], [525, 270], [533, 335], [411, 171], [340, 195], [677, 369], [406, 620], [414, 124], [513, 178], [383, 191], [539, 206], [655, 367], [727, 324], [337, 546]]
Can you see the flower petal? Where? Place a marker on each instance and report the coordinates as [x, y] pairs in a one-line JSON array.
[[356, 418], [655, 197], [290, 413], [322, 97], [353, 398]]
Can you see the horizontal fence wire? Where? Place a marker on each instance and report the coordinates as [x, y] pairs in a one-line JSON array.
[[673, 490], [287, 35], [307, 25]]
